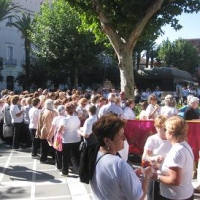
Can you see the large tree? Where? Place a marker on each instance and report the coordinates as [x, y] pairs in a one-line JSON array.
[[123, 22], [60, 44], [180, 54], [23, 24]]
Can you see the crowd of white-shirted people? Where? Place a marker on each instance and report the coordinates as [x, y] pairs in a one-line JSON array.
[[30, 120]]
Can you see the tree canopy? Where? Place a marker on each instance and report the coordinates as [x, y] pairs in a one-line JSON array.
[[125, 22], [58, 42], [180, 54], [6, 7]]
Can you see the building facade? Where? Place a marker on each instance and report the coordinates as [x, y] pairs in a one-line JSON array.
[[12, 53]]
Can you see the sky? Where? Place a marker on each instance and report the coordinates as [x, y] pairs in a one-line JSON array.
[[190, 29]]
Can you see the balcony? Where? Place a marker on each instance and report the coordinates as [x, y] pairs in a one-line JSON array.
[[10, 62]]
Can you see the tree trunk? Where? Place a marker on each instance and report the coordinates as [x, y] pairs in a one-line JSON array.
[[126, 73]]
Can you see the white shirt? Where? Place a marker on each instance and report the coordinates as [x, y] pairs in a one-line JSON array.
[[87, 126], [114, 179], [128, 113], [168, 111], [182, 157], [150, 109], [111, 108], [34, 114], [143, 115], [14, 109], [57, 122], [157, 145], [71, 124]]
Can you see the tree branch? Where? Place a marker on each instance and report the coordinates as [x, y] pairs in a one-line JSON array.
[[107, 27], [156, 5]]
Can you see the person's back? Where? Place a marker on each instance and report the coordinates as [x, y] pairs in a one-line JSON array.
[[111, 180], [111, 107]]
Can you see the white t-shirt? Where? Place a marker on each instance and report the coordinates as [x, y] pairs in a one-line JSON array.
[[57, 122], [111, 108], [71, 124], [114, 179], [150, 109], [14, 109], [179, 156], [87, 126], [128, 113], [157, 145], [143, 115], [168, 111], [34, 115]]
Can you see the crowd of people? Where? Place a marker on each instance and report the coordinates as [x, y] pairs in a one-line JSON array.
[[31, 120]]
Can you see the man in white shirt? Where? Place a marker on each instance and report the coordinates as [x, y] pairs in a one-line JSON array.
[[110, 107]]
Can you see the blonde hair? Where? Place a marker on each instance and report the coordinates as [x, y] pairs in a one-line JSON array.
[[159, 121], [177, 127]]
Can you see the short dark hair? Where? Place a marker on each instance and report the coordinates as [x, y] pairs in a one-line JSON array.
[[107, 126]]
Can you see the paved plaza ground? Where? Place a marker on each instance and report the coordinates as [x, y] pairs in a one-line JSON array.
[[24, 178]]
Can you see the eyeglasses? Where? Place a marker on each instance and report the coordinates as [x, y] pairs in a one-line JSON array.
[[154, 99]]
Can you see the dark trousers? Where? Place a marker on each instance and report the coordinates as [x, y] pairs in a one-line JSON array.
[[1, 129], [17, 137], [70, 151], [44, 150], [153, 190], [27, 135], [58, 155], [35, 141], [191, 198]]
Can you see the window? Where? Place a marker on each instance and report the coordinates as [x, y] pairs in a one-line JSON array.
[[9, 52]]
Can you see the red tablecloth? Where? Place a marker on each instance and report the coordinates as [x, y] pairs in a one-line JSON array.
[[137, 132]]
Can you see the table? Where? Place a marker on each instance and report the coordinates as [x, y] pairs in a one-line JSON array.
[[137, 131]]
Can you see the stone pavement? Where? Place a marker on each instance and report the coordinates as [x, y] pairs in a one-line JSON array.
[[24, 178]]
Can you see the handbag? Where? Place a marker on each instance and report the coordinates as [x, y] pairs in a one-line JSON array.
[[57, 142], [8, 130]]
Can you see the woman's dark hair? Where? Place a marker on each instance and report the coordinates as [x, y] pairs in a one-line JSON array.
[[107, 126]]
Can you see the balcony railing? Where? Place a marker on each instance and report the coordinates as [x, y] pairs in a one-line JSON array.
[[10, 62]]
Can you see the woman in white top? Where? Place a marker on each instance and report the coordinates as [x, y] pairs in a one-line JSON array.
[[71, 140], [34, 114], [176, 171], [113, 178], [17, 121], [153, 109], [169, 108], [128, 110], [155, 149], [56, 123], [86, 130]]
